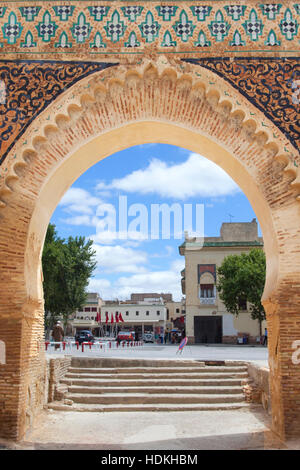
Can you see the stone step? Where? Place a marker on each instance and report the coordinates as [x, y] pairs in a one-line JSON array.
[[150, 382], [178, 375], [152, 398], [159, 407], [156, 370], [156, 390]]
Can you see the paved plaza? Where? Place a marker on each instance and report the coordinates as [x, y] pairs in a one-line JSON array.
[[218, 352]]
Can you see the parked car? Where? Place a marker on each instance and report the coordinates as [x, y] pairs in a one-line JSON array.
[[125, 336], [84, 336], [148, 338]]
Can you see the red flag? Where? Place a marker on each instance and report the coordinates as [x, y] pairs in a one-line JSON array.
[[120, 317], [112, 318], [98, 317], [117, 317], [106, 315]]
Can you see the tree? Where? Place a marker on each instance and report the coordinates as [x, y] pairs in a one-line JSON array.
[[242, 278], [67, 268]]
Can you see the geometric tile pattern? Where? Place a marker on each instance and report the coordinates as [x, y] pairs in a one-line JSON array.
[[213, 28]]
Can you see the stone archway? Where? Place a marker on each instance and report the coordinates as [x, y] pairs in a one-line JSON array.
[[115, 109]]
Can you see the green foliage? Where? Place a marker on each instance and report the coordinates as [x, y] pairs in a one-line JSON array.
[[242, 277], [67, 267]]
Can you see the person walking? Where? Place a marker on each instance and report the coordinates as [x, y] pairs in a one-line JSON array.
[[266, 338], [58, 333]]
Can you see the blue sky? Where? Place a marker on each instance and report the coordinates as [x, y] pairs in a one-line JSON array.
[[146, 175]]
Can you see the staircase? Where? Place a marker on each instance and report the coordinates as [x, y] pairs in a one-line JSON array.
[[144, 385]]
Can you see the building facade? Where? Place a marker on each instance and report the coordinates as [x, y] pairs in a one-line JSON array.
[[87, 317], [142, 317], [207, 320]]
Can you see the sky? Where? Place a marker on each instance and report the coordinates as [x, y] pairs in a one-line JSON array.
[[116, 204]]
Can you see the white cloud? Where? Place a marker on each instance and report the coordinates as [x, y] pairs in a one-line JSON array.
[[197, 176], [79, 200], [115, 259], [155, 281]]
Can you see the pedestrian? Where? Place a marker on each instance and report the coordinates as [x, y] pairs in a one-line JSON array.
[[166, 337], [266, 337], [58, 333]]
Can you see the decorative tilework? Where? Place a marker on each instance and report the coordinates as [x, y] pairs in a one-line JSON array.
[[30, 87], [184, 28], [201, 11], [149, 28], [235, 11], [64, 11], [234, 27], [266, 83], [12, 29], [253, 26], [202, 41], [237, 39], [63, 42], [115, 28], [272, 40], [81, 30], [98, 12], [132, 41], [289, 25], [98, 42], [167, 40], [132, 12], [29, 42], [219, 28], [271, 10], [166, 12], [46, 28], [29, 12]]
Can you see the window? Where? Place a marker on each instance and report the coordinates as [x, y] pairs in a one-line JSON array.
[[177, 310], [137, 313], [243, 304], [87, 309], [127, 313], [147, 313], [94, 309], [207, 291], [158, 312]]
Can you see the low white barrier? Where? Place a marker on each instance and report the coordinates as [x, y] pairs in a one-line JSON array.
[[69, 346]]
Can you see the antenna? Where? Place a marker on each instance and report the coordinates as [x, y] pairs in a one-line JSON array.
[[231, 216]]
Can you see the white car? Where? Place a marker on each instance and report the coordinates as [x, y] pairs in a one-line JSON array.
[[148, 338]]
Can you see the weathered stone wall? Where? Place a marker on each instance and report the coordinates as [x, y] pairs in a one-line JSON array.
[[258, 388], [57, 369]]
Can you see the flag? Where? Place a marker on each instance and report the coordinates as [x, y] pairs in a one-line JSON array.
[[106, 317], [117, 317], [120, 317], [112, 318], [98, 317]]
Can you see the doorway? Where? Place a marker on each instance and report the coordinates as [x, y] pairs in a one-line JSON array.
[[208, 329]]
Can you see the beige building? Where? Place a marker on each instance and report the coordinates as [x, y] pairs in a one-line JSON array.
[[207, 320], [86, 318]]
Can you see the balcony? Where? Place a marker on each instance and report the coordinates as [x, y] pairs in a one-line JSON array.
[[207, 300]]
